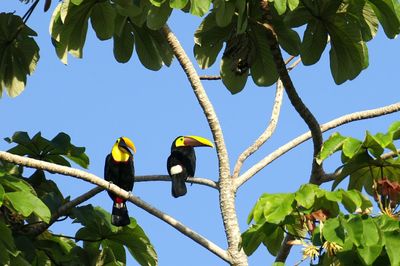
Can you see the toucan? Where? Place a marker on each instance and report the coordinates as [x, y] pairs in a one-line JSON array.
[[119, 169], [181, 162]]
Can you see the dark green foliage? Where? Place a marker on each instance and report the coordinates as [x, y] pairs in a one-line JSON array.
[[19, 54], [27, 202]]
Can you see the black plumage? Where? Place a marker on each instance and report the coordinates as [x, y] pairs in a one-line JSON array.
[[121, 172], [181, 163], [184, 157]]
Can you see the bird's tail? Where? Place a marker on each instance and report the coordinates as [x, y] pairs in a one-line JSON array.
[[119, 215], [178, 186]]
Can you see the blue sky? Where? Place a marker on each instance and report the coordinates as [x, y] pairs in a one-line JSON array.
[[96, 100]]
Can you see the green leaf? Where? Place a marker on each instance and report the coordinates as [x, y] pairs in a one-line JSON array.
[[103, 20], [352, 200], [11, 183], [298, 17], [305, 196], [369, 254], [330, 146], [233, 81], [351, 147], [146, 49], [333, 231], [252, 238], [199, 7], [274, 237], [348, 54], [162, 46], [288, 39], [293, 4], [224, 11], [394, 129], [123, 42], [355, 230], [277, 207], [158, 16], [392, 243], [314, 42], [178, 4], [280, 6], [385, 10], [27, 203], [19, 54], [263, 70], [373, 145], [1, 194], [209, 39]]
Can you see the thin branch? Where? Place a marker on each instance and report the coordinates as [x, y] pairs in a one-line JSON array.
[[194, 180], [266, 134], [38, 228], [227, 194], [325, 127], [271, 126], [78, 239], [181, 228], [68, 171], [312, 123], [206, 77]]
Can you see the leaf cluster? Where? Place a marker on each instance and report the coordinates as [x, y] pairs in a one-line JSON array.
[[295, 213], [363, 160], [346, 24], [28, 203], [19, 54]]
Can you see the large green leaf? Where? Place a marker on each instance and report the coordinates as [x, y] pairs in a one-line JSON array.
[[385, 11], [277, 207], [199, 7], [209, 39], [224, 11], [314, 42], [348, 54], [232, 80], [19, 54], [158, 16], [123, 40], [103, 20], [27, 203], [274, 237], [252, 238], [305, 196], [146, 49], [392, 243], [330, 146], [263, 70]]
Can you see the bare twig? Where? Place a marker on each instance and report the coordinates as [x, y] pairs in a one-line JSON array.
[[266, 134], [271, 126], [325, 127], [194, 180], [68, 171], [227, 194], [206, 77], [312, 123]]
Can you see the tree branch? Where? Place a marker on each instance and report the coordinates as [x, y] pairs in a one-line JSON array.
[[271, 126], [38, 228], [312, 123], [195, 180], [325, 127], [227, 194], [266, 134], [69, 171]]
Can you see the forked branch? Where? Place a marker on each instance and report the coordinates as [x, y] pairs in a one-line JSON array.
[[361, 115], [88, 177]]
